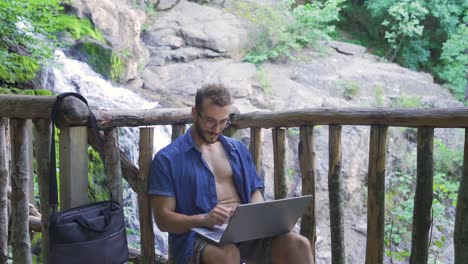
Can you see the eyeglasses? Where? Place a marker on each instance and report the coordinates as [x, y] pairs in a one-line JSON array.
[[212, 123]]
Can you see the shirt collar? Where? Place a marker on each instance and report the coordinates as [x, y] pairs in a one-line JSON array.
[[189, 144]]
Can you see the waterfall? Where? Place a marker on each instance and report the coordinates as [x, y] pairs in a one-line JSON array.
[[69, 75]]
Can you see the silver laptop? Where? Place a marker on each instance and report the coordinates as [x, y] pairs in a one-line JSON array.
[[258, 220]]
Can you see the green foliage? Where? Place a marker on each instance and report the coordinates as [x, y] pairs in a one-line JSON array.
[[40, 92], [264, 81], [399, 202], [21, 51], [351, 88], [98, 190], [103, 60], [17, 68], [79, 28], [24, 24], [448, 160], [406, 101], [422, 35], [280, 30], [455, 61], [404, 22], [378, 96]]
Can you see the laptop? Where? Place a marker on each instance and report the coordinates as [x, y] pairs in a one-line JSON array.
[[257, 220]]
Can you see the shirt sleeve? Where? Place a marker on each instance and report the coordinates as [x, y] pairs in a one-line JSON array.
[[160, 180]]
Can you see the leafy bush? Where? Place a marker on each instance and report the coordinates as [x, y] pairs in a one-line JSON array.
[[399, 202], [422, 35], [280, 30], [455, 61], [28, 31]]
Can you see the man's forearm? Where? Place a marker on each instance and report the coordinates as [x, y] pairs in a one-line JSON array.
[[179, 223]]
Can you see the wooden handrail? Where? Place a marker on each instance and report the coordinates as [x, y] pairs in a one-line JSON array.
[[76, 113]]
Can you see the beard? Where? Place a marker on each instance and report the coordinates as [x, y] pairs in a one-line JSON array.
[[207, 136]]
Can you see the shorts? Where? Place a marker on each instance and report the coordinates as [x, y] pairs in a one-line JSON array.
[[258, 250]]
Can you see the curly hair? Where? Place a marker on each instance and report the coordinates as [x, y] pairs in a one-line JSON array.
[[218, 94]]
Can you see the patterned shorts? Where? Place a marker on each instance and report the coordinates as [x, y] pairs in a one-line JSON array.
[[258, 250]]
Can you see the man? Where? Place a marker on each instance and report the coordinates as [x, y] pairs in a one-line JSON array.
[[200, 178]]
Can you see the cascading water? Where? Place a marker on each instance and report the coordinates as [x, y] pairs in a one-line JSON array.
[[75, 76]]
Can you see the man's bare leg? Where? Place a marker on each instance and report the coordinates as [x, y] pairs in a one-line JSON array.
[[226, 254], [291, 248]]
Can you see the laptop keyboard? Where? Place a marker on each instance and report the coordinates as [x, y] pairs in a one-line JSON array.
[[216, 235]]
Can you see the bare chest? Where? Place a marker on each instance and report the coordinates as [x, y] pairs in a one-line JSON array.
[[217, 161]]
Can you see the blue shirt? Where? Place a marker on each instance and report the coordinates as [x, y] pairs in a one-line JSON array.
[[179, 171]]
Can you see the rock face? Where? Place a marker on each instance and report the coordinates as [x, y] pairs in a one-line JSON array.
[[121, 26], [191, 44]]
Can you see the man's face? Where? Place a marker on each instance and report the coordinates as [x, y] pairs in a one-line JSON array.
[[211, 120]]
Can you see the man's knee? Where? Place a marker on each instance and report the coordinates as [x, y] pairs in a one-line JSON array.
[[296, 242], [225, 254], [291, 246]]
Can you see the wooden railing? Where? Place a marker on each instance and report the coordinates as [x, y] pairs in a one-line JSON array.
[[15, 110]]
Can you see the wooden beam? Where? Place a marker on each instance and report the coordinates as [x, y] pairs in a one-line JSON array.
[[73, 167], [255, 147], [4, 175], [113, 165], [279, 157], [21, 245], [31, 107], [460, 237], [335, 194], [435, 117], [307, 163], [43, 135], [177, 131], [148, 117], [146, 144], [423, 197], [376, 195], [26, 106]]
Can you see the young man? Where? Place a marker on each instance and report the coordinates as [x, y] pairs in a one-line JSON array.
[[200, 178]]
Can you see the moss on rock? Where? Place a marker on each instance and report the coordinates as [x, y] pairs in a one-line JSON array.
[[18, 69], [101, 58]]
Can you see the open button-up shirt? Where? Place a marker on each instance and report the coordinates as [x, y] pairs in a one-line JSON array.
[[179, 171]]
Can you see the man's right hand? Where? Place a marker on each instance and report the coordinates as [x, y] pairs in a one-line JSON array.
[[217, 216]]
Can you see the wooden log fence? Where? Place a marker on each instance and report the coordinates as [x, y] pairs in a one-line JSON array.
[[335, 194], [307, 163], [423, 197], [18, 109], [4, 174], [376, 195]]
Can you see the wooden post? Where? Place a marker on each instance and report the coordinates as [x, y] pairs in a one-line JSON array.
[[20, 242], [146, 219], [335, 194], [73, 167], [279, 157], [29, 128], [177, 131], [423, 197], [112, 163], [255, 147], [4, 174], [461, 228], [376, 195], [43, 134], [307, 164]]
